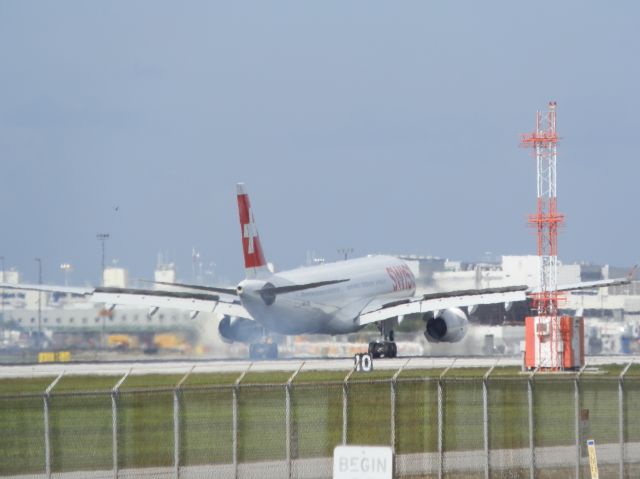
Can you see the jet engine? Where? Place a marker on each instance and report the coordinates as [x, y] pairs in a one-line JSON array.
[[448, 326], [232, 328]]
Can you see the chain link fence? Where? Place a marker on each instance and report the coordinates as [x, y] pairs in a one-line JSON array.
[[440, 423]]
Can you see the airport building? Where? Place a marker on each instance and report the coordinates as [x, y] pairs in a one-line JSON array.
[[612, 314], [70, 321]]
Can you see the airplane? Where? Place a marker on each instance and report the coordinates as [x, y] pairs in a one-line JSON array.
[[331, 298]]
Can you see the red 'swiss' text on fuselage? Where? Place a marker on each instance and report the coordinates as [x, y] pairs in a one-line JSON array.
[[402, 277]]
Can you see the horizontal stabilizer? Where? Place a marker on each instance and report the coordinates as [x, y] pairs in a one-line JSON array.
[[211, 289], [162, 294], [301, 287]]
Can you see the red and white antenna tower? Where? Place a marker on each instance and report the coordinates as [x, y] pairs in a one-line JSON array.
[[547, 220]]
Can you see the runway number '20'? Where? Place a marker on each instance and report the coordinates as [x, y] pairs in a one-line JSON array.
[[363, 362]]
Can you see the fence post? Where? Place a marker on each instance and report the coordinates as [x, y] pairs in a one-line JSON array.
[[532, 445], [287, 407], [176, 422], [621, 416], [441, 421], [47, 427], [576, 405], [345, 405], [114, 422], [176, 432], [485, 418], [47, 445], [394, 392], [234, 443]]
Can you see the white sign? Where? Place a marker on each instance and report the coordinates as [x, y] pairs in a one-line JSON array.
[[593, 460], [362, 462], [363, 362]]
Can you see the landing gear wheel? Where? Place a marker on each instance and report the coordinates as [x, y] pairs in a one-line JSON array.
[[390, 350], [263, 351], [379, 349], [376, 349]]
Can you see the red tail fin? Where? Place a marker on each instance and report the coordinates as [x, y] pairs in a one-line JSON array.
[[254, 261]]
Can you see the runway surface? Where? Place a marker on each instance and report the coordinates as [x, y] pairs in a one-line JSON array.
[[231, 366]]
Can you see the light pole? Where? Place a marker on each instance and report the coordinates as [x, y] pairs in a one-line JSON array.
[[195, 263], [103, 237], [66, 269], [345, 251], [39, 261], [4, 280]]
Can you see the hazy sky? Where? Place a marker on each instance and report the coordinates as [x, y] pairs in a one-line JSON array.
[[381, 126]]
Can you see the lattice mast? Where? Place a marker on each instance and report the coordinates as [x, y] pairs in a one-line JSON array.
[[547, 220]]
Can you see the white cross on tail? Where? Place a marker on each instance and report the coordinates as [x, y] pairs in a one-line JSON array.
[[250, 232]]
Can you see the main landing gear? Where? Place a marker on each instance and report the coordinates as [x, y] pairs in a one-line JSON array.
[[263, 351], [387, 347]]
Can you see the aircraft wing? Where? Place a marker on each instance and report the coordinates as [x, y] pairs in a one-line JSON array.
[[455, 299], [439, 301], [589, 285], [191, 301], [48, 288]]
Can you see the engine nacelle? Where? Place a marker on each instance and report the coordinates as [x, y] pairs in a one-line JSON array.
[[448, 326], [232, 328]]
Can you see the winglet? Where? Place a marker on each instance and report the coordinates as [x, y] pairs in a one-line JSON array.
[[632, 272], [254, 261]]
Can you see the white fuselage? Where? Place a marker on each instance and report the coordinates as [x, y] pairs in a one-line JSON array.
[[330, 309]]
